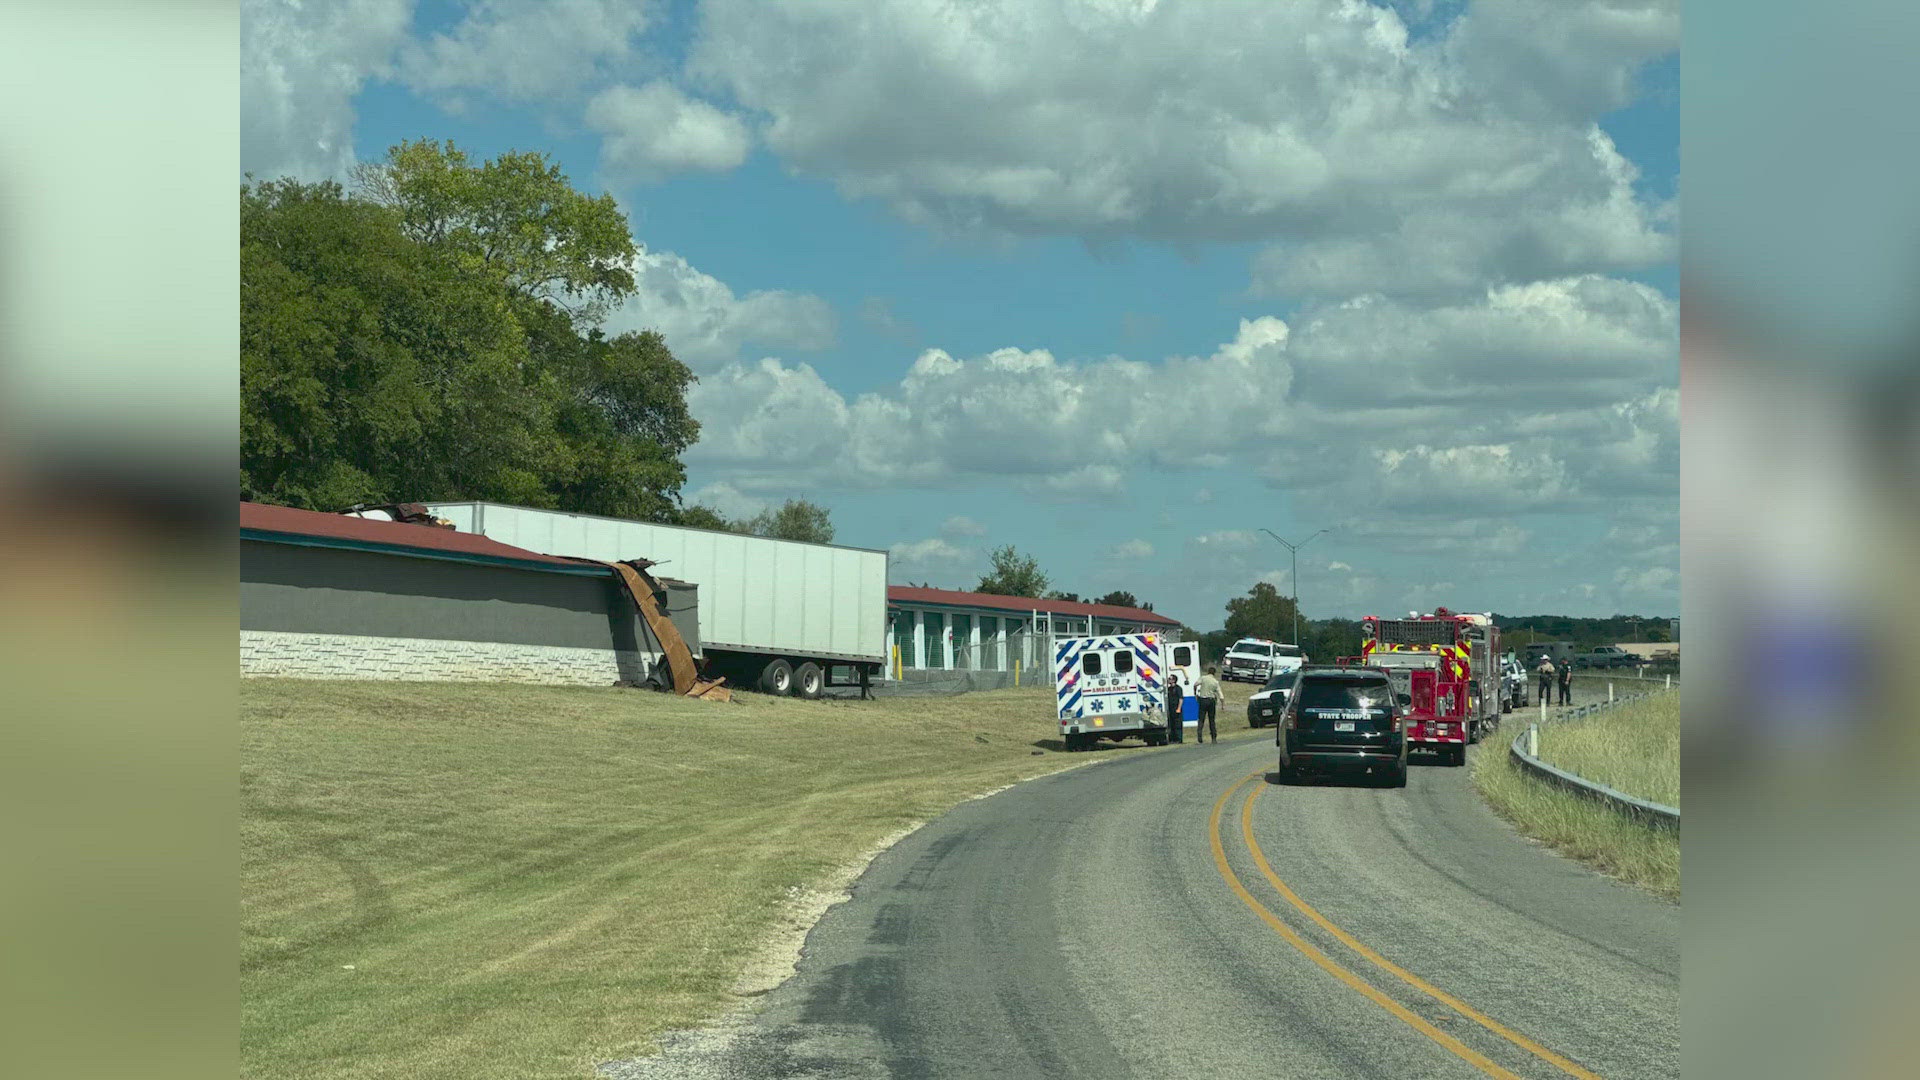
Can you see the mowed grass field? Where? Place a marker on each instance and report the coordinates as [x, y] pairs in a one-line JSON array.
[[1635, 748], [492, 880]]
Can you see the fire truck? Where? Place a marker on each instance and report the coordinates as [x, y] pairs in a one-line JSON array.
[[1446, 666]]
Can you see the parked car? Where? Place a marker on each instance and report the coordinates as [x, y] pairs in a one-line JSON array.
[[1606, 656], [1270, 701], [1344, 719], [1517, 682]]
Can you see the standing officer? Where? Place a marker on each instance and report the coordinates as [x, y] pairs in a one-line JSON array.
[[1208, 691], [1176, 721]]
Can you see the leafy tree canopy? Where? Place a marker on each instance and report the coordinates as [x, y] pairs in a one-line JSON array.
[[795, 519], [517, 214], [1262, 613], [1013, 574], [434, 337]]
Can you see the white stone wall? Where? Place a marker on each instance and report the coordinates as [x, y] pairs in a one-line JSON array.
[[343, 656]]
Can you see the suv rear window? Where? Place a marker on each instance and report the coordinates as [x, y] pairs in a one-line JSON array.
[[1344, 694], [1287, 650]]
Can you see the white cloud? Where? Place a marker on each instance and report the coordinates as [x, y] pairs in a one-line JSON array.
[[526, 50], [706, 324], [935, 559], [653, 131], [1364, 407], [1487, 478], [1336, 565], [1227, 540], [1657, 580], [726, 500], [301, 66], [1134, 549], [1366, 158], [932, 550], [962, 527], [1456, 536], [1551, 58]]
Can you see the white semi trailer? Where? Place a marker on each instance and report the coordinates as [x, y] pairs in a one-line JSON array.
[[779, 616]]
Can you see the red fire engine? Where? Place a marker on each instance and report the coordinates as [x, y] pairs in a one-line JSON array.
[[1445, 663]]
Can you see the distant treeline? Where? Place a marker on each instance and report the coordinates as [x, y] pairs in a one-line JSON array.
[[1518, 631]]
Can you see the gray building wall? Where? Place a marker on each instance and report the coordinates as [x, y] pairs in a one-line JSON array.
[[328, 612]]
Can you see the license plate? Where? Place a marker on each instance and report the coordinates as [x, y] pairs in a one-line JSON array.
[[1343, 725]]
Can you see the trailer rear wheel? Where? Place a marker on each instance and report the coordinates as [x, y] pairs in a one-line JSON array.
[[776, 678], [808, 681], [1457, 755]]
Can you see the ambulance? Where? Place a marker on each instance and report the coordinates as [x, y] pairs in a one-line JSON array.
[[1113, 686]]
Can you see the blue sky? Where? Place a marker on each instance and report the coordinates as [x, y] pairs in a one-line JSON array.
[[1118, 283]]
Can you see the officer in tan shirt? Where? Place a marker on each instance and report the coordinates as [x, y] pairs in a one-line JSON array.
[[1207, 690]]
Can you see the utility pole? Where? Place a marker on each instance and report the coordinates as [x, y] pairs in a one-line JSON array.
[[1295, 573]]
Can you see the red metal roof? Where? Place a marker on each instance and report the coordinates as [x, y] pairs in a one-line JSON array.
[[288, 521], [909, 594]]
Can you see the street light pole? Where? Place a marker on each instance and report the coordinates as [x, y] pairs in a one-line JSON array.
[[1295, 573]]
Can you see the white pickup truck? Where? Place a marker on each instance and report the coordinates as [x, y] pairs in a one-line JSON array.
[[1258, 660]]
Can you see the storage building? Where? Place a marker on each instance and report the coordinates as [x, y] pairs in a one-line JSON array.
[[943, 629]]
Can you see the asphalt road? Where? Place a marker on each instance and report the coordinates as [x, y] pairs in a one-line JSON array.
[[1114, 921]]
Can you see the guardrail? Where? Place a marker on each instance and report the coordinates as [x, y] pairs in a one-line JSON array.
[[1650, 814]]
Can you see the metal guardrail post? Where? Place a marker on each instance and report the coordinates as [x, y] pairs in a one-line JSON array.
[[1652, 814]]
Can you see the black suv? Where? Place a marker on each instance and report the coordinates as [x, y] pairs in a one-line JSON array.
[[1346, 719]]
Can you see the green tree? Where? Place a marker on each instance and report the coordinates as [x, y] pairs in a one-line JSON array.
[[1326, 640], [795, 519], [701, 517], [433, 339], [517, 215], [1013, 574], [1073, 597], [1120, 598], [1262, 613], [620, 418], [371, 369]]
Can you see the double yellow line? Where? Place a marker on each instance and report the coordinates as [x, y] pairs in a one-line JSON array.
[[1345, 975]]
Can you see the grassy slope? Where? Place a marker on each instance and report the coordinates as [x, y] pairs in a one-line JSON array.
[[441, 879], [1633, 747], [1636, 748]]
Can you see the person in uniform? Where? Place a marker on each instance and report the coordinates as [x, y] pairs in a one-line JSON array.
[[1208, 691]]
